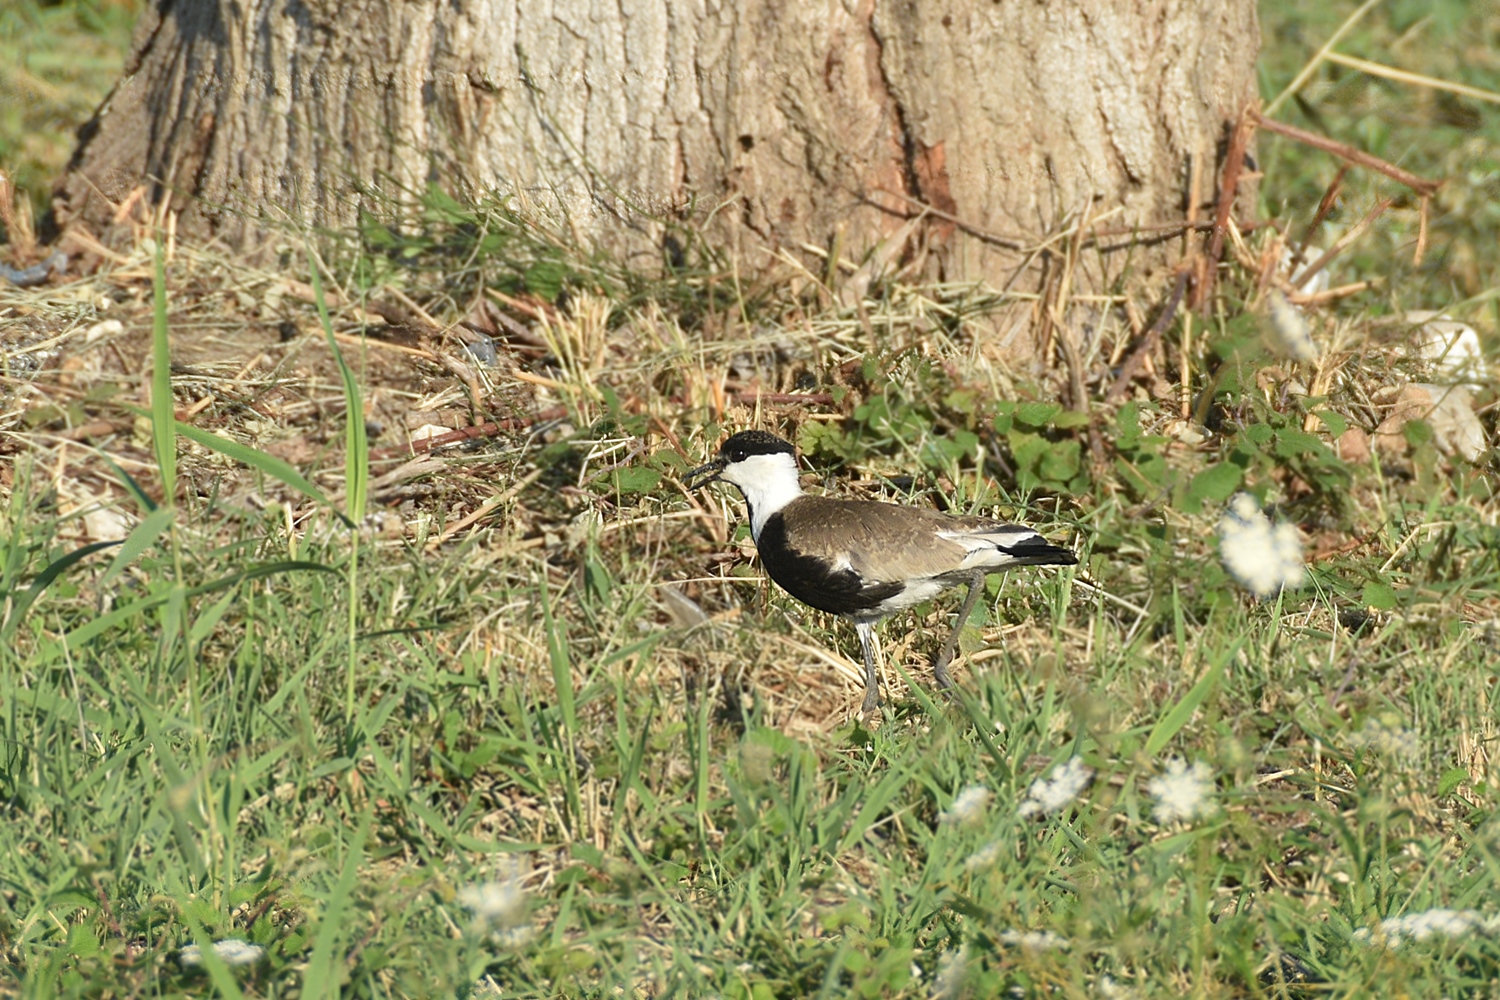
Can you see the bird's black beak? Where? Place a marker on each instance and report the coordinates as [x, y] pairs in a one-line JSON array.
[[708, 472]]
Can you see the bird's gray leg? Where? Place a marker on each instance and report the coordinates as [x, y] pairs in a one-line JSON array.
[[869, 643], [940, 665]]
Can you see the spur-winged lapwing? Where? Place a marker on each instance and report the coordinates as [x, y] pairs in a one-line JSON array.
[[864, 559]]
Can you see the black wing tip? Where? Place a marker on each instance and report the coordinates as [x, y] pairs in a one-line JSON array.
[[1037, 551]]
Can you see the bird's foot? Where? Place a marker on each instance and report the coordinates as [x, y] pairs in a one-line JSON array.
[[940, 673]]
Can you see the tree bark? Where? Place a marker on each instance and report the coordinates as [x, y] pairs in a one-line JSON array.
[[953, 134]]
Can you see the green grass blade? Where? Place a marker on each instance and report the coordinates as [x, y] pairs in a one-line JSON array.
[[562, 667], [322, 978], [163, 411], [140, 538], [357, 452], [1180, 713], [134, 488], [76, 638], [54, 569], [260, 461]]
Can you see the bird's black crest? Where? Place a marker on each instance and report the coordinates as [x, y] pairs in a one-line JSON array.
[[746, 443]]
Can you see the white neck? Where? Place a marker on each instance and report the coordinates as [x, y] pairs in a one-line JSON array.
[[768, 483]]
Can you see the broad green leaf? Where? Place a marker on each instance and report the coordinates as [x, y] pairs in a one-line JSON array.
[[635, 479], [1217, 482], [1380, 596], [1336, 423], [1037, 414]]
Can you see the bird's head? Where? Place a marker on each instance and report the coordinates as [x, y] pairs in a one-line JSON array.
[[760, 464]]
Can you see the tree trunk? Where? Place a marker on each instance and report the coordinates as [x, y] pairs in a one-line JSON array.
[[953, 134]]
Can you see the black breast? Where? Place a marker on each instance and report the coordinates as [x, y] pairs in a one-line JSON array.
[[813, 581]]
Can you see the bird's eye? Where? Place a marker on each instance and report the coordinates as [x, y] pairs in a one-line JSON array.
[[738, 455]]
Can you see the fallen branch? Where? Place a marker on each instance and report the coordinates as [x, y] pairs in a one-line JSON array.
[[1421, 185]]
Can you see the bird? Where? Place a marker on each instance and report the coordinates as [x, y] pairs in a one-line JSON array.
[[865, 559]]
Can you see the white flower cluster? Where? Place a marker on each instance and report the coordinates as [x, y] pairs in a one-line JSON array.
[[1034, 940], [1387, 738], [499, 909], [1183, 792], [951, 966], [1396, 931], [985, 857], [1288, 331], [968, 808], [1261, 557], [1049, 795], [231, 951]]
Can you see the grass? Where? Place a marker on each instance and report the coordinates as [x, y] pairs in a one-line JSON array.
[[437, 728], [57, 62]]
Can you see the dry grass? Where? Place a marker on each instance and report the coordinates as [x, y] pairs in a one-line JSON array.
[[570, 672]]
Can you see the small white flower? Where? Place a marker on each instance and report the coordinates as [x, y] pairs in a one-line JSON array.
[[1261, 557], [1287, 329], [1052, 794], [985, 857], [1111, 990], [231, 951], [1388, 738], [1396, 931], [949, 978], [499, 909], [1182, 792], [1034, 940], [968, 807]]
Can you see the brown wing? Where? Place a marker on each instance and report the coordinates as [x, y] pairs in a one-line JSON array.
[[885, 542], [880, 541]]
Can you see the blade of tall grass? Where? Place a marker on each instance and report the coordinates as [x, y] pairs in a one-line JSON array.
[[140, 538], [260, 461], [136, 491], [322, 978], [53, 570], [163, 411], [565, 733], [77, 637], [356, 485], [356, 445], [1180, 713]]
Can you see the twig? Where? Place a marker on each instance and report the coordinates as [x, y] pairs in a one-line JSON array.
[[474, 433], [748, 397], [1421, 234], [1008, 242], [1331, 294], [1234, 162], [1148, 343], [1415, 79], [1301, 280], [1330, 198], [1422, 186], [1317, 60]]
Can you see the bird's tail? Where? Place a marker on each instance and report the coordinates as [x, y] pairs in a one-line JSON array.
[[1034, 550]]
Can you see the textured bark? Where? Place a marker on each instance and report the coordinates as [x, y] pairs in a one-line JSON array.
[[771, 124]]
